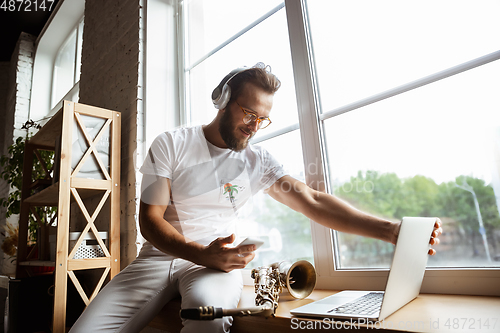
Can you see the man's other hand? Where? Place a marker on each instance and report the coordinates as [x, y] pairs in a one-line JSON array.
[[438, 230]]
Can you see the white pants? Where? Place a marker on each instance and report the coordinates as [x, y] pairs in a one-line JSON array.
[[136, 295]]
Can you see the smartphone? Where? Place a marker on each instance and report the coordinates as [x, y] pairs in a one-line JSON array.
[[251, 240]]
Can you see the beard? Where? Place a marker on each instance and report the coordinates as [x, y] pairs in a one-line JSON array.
[[226, 130]]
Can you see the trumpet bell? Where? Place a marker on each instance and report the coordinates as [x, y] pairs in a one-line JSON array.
[[299, 277]]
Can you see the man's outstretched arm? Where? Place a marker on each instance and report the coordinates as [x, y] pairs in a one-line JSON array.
[[334, 213]]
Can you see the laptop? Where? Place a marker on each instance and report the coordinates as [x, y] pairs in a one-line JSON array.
[[403, 284]]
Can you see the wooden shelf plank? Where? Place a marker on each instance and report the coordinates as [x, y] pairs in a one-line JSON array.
[[76, 264], [86, 188], [94, 111], [38, 263], [47, 197], [48, 134], [91, 184]]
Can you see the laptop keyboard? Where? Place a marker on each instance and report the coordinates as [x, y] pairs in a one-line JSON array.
[[366, 305]]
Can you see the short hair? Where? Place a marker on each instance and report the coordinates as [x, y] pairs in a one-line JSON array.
[[260, 75]]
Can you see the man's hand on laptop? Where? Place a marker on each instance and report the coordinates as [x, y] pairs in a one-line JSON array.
[[434, 236]]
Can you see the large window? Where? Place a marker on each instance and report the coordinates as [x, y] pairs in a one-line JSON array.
[[56, 66], [426, 152], [67, 67], [398, 115]]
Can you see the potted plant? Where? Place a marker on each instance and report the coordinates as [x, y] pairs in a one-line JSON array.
[[12, 172]]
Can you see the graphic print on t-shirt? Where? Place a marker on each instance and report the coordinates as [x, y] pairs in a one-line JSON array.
[[231, 190], [234, 190]]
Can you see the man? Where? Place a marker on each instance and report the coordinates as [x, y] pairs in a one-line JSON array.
[[187, 216]]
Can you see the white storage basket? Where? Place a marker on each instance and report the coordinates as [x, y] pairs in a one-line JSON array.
[[89, 248]]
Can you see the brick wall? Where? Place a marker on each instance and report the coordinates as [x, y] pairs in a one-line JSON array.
[[15, 98], [17, 89], [110, 78]]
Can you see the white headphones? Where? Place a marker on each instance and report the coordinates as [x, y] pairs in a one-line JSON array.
[[222, 93]]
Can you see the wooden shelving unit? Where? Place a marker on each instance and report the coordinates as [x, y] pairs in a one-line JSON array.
[[68, 188]]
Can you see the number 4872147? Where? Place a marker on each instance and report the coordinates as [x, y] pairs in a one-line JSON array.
[[26, 5], [471, 323]]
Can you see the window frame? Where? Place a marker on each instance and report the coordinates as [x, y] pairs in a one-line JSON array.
[[66, 17], [73, 93], [473, 281]]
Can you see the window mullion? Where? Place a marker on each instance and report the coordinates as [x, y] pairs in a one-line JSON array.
[[310, 129], [181, 46], [75, 67], [460, 68], [305, 93], [281, 131], [235, 36]]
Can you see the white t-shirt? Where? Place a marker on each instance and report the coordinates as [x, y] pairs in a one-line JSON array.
[[208, 184]]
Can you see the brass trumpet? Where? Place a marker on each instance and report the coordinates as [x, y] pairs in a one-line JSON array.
[[297, 278]]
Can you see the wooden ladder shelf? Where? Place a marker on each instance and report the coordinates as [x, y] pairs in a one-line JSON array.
[[71, 187]]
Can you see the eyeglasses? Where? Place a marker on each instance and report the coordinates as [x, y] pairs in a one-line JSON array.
[[262, 122]]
